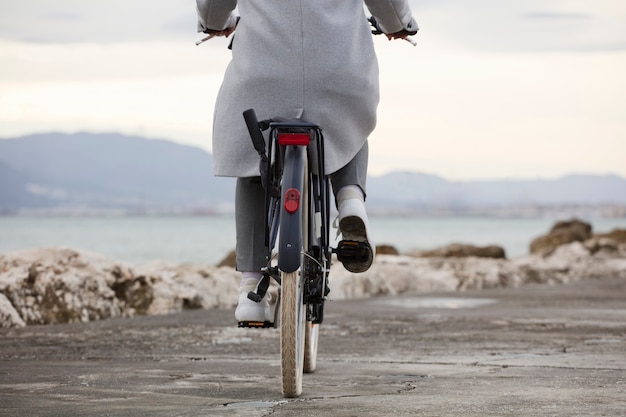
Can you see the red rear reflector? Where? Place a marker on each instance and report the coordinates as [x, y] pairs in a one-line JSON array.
[[295, 139], [292, 200]]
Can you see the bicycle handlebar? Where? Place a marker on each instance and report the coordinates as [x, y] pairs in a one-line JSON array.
[[377, 30]]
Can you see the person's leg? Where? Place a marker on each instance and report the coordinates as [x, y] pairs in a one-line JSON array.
[[250, 247], [349, 188], [250, 225], [354, 173]]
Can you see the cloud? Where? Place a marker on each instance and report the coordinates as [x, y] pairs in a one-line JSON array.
[[556, 15], [64, 17], [70, 21], [481, 25], [510, 26]]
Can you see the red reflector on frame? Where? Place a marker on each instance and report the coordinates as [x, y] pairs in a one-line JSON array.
[[294, 139], [292, 200]]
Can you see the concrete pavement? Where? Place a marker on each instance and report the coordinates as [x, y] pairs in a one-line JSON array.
[[538, 350]]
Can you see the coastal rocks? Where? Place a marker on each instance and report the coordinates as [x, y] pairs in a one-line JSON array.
[[393, 275], [460, 250], [617, 235], [609, 244], [46, 286], [229, 260], [564, 232], [568, 253], [186, 286], [62, 285], [561, 233], [387, 250], [9, 317]]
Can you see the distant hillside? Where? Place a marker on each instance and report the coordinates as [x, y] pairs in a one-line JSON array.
[[107, 171], [111, 171], [413, 190]]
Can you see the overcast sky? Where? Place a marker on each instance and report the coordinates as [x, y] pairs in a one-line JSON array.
[[494, 89]]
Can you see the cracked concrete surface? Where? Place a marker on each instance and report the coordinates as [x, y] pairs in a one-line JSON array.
[[536, 350]]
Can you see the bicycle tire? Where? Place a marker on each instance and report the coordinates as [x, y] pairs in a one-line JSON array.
[[292, 327], [292, 243]]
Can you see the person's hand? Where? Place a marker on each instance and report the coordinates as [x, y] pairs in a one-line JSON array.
[[225, 32], [403, 34], [211, 33]]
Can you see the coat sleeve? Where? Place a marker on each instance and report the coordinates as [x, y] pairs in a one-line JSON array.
[[392, 15], [216, 14]]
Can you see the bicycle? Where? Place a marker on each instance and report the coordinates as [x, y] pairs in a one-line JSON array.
[[297, 209]]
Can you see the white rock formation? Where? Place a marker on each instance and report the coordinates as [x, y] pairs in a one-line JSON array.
[[392, 275], [46, 286], [63, 285]]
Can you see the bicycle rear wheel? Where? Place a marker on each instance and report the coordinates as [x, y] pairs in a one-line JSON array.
[[292, 328], [292, 244]]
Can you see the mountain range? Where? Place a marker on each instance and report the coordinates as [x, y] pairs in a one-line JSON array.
[[113, 171]]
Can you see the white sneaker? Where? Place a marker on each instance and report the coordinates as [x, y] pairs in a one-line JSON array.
[[354, 226], [250, 311]]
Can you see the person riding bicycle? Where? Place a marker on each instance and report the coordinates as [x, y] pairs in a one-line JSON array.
[[312, 60]]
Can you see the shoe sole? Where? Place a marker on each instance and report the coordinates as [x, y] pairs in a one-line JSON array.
[[255, 324], [353, 228]]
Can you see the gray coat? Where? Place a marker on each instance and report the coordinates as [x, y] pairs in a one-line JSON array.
[[312, 59]]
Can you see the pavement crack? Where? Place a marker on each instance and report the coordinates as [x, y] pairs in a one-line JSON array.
[[408, 387]]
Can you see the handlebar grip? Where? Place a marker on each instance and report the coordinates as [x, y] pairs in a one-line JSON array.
[[255, 131]]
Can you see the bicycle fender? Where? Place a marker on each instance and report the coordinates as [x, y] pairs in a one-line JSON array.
[[290, 235]]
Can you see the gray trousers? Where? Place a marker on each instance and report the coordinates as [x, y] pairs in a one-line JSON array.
[[250, 212]]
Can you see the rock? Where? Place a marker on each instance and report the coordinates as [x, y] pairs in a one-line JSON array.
[[47, 286], [9, 317], [183, 287], [561, 233], [229, 260], [460, 250], [569, 263], [601, 245], [390, 275], [386, 250], [608, 244], [617, 235], [63, 285], [60, 285]]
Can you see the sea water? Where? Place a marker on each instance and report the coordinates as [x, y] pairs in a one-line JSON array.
[[207, 239]]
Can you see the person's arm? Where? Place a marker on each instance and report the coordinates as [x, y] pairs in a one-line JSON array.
[[216, 16], [394, 17]]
